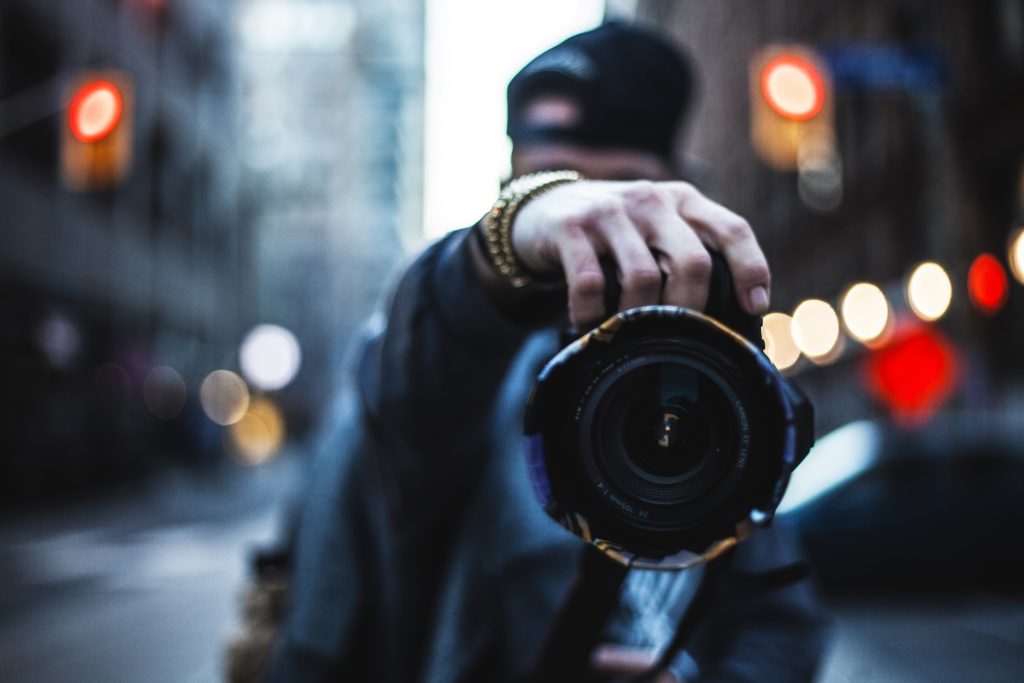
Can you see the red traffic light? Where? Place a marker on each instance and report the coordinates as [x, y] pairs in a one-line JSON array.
[[793, 87], [987, 284], [914, 374], [95, 111]]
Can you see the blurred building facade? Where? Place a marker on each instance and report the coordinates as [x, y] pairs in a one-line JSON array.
[[273, 175], [332, 112], [100, 285], [929, 148]]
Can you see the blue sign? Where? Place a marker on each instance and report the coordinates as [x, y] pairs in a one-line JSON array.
[[887, 67]]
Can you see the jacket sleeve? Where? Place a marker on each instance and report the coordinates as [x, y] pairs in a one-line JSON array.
[[397, 456], [429, 378], [761, 633]]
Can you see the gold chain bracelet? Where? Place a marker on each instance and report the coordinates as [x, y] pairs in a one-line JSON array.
[[497, 223]]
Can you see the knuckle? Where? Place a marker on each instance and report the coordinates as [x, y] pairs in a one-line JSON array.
[[683, 189], [642, 279], [757, 272], [570, 229], [644, 192], [601, 209], [696, 265], [589, 285], [737, 229]]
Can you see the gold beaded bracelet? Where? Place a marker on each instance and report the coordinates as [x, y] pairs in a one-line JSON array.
[[497, 223]]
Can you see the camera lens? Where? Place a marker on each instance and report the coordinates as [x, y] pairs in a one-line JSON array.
[[663, 431], [667, 433]]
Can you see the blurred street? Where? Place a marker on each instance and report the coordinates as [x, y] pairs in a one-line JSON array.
[[205, 201], [139, 587], [143, 586], [976, 637]]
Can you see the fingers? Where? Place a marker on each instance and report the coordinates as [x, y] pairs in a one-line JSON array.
[[679, 253], [733, 237], [638, 273], [583, 277], [606, 228], [658, 235], [626, 661]]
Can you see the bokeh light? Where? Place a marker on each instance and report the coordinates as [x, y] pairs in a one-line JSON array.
[[987, 284], [1016, 254], [779, 346], [815, 328], [258, 436], [929, 291], [793, 87], [224, 397], [915, 374], [59, 341], [164, 392], [270, 357], [95, 111], [865, 312], [819, 182]]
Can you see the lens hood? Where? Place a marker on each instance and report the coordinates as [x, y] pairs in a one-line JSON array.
[[663, 436]]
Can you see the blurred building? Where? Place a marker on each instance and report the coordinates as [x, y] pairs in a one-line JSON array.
[[265, 168], [103, 280], [925, 163], [332, 122]]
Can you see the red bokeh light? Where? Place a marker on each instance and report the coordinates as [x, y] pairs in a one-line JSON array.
[[793, 87], [914, 374], [95, 111], [987, 284]]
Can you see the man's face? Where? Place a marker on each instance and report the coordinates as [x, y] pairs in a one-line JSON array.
[[596, 164]]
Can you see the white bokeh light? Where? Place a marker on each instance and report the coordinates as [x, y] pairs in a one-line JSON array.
[[270, 357], [865, 312], [815, 328], [776, 330], [929, 291], [1016, 255], [791, 89], [224, 397]]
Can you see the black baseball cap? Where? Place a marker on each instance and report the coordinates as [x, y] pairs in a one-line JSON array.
[[631, 86]]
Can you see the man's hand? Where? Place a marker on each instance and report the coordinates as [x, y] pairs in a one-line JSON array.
[[656, 232], [627, 661]]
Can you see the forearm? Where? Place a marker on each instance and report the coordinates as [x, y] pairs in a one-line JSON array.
[[430, 377]]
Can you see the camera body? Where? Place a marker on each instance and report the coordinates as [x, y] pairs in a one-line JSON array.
[[664, 436]]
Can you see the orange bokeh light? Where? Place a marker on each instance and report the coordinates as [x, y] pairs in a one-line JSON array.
[[793, 87], [95, 111]]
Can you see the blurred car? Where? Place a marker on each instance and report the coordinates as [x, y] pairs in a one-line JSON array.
[[938, 507]]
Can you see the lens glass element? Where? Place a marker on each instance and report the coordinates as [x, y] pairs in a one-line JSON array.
[[663, 432]]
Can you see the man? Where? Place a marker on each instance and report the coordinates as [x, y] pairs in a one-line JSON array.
[[421, 554]]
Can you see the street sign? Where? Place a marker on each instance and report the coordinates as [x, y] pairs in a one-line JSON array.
[[887, 67]]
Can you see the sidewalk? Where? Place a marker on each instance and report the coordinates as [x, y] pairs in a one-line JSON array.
[[138, 587]]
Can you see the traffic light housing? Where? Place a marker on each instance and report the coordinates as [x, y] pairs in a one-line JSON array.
[[96, 133], [790, 104]]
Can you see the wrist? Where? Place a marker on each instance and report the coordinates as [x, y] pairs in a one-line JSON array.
[[496, 225], [539, 301]]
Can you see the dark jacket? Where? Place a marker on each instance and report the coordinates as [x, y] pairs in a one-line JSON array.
[[421, 553]]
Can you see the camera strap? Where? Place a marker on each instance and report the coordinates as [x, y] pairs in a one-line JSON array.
[[576, 630]]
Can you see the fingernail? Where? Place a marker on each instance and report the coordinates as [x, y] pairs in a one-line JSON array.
[[759, 299]]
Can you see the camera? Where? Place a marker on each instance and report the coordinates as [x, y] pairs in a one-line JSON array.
[[664, 436]]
